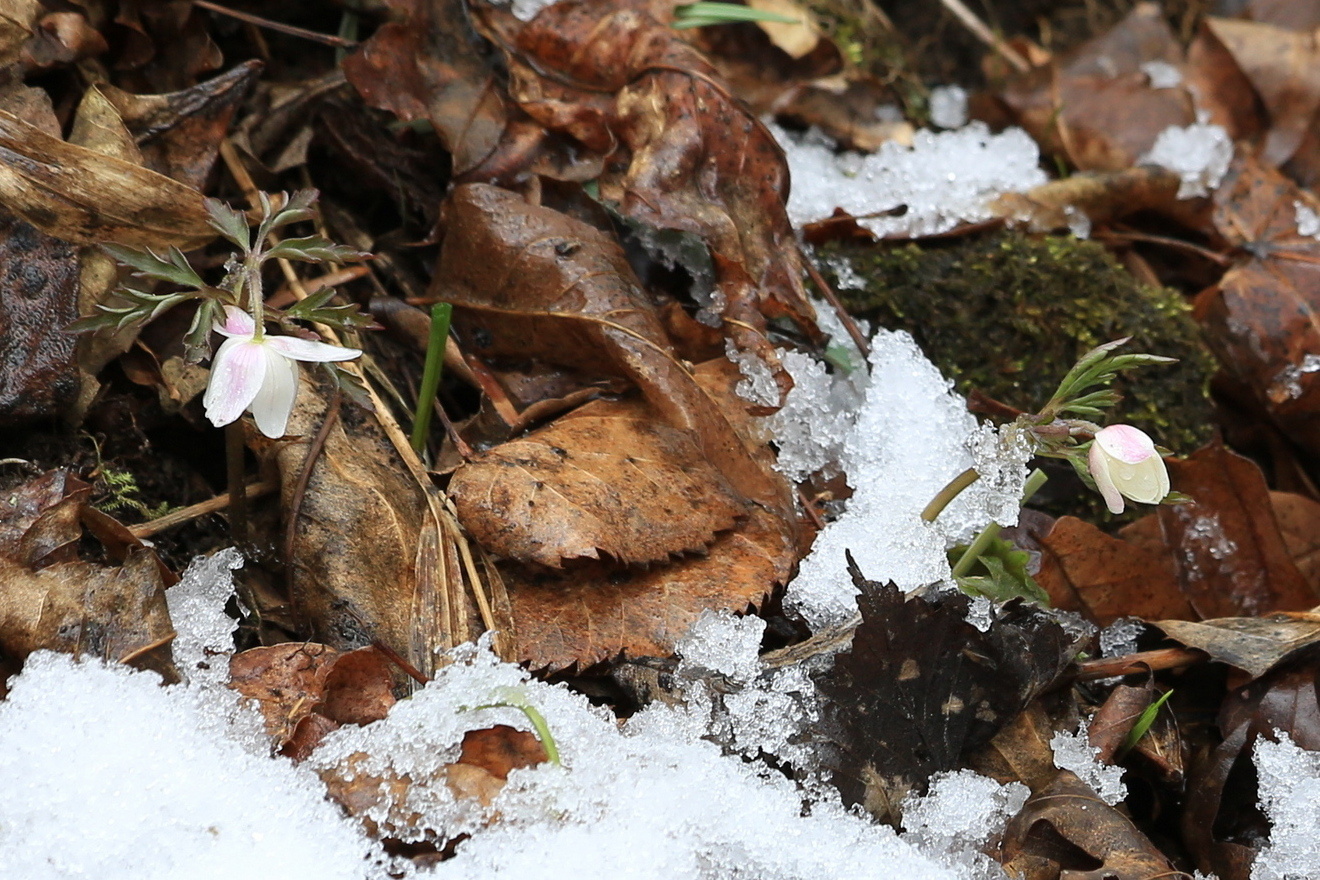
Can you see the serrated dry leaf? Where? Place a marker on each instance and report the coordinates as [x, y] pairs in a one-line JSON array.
[[593, 612], [84, 196], [607, 478]]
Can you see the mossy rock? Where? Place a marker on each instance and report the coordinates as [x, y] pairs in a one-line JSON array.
[[1007, 314]]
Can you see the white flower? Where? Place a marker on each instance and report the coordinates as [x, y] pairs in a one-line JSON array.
[[1124, 463], [259, 375]]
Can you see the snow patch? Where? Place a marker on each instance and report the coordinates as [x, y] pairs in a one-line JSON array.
[[1199, 153]]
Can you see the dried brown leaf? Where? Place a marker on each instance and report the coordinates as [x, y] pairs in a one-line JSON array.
[[84, 196], [1299, 523], [1097, 840], [501, 749], [1106, 578], [1116, 717], [1099, 107], [607, 478], [286, 681], [1253, 644], [593, 612], [565, 293], [1261, 319], [40, 519], [1228, 552]]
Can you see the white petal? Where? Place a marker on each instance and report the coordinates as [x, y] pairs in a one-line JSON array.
[[1126, 443], [236, 323], [1147, 482], [1098, 463], [237, 374], [274, 402], [306, 350]]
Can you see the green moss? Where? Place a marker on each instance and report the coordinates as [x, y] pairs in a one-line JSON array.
[[1008, 314]]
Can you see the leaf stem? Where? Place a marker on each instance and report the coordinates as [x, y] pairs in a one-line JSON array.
[[234, 449], [948, 493], [435, 363], [965, 562]]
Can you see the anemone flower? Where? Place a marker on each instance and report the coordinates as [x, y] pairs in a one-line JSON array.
[[259, 373], [1125, 464]]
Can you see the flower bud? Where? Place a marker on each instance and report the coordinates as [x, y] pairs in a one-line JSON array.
[[1124, 463]]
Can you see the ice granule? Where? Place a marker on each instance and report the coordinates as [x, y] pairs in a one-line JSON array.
[[1290, 796], [1199, 153], [1120, 637], [817, 417], [911, 437], [112, 776], [948, 106], [846, 277], [197, 610], [1073, 751], [722, 642], [1162, 74], [1287, 384], [959, 815], [526, 10], [758, 382], [943, 179], [650, 800], [1308, 221]]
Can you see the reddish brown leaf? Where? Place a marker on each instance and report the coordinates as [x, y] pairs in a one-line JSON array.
[[592, 612], [1230, 557], [1261, 319], [1099, 108], [39, 520], [1299, 523], [684, 154], [1105, 578], [359, 687], [1284, 67], [1104, 842], [565, 293], [287, 681], [500, 749], [607, 478], [428, 65], [1115, 718]]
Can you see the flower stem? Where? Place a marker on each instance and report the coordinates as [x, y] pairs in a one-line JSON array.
[[978, 547], [948, 493], [234, 448], [435, 365]]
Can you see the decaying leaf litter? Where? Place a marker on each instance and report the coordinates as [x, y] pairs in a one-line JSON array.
[[668, 474]]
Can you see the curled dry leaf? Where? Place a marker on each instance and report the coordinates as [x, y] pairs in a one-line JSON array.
[[305, 690], [683, 152], [1253, 644], [428, 65], [1099, 840], [607, 478], [1116, 717], [84, 196], [353, 591], [49, 599], [564, 292], [1261, 317]]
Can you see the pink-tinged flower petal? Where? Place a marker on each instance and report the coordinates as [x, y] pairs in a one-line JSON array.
[[306, 350], [237, 374], [1098, 463], [236, 323], [1126, 443], [274, 401]]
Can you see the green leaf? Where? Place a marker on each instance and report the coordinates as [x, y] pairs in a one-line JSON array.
[[1143, 725], [196, 342], [314, 249], [148, 265], [229, 223], [706, 13], [1000, 574]]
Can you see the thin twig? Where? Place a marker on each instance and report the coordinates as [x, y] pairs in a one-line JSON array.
[[1142, 661], [985, 35], [291, 30], [200, 509], [855, 332]]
